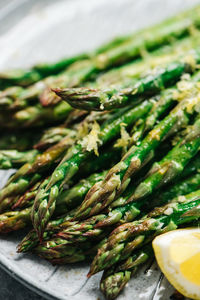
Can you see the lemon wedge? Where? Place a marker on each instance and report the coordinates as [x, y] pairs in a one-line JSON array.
[[178, 256]]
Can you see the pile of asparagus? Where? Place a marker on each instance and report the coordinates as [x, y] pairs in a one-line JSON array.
[[106, 150]]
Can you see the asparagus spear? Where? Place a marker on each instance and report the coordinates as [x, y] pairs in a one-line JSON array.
[[73, 197], [35, 116], [151, 38], [18, 187], [19, 219], [7, 203], [105, 192], [31, 240], [167, 53], [68, 199], [171, 165], [57, 252], [44, 204], [97, 99], [123, 76], [75, 231], [14, 159], [15, 220], [165, 101], [18, 141], [52, 136], [24, 200], [30, 173], [26, 77], [114, 280], [127, 237]]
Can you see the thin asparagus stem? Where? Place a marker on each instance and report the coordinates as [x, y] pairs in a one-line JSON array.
[[75, 231], [127, 237], [14, 159], [114, 280], [118, 178], [52, 136], [30, 173], [26, 77], [35, 116], [18, 141]]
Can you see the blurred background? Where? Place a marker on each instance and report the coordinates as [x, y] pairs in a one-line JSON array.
[[44, 30]]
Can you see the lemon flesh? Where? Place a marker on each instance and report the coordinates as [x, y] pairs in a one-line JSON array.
[[178, 255]]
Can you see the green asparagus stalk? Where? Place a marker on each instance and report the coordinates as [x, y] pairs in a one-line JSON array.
[[114, 280], [171, 165], [123, 76], [97, 99], [165, 101], [7, 203], [18, 141], [26, 77], [104, 193], [31, 240], [144, 125], [18, 187], [35, 116], [15, 220], [127, 237], [150, 39], [73, 197], [20, 201], [44, 204], [26, 199], [58, 251], [14, 159], [52, 136], [75, 231], [166, 54], [12, 98], [30, 173]]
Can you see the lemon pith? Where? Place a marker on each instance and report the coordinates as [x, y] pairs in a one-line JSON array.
[[178, 255]]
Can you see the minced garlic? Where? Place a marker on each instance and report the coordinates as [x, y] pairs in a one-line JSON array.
[[91, 141]]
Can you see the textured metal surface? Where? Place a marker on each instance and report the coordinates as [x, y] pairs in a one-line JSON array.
[[32, 31]]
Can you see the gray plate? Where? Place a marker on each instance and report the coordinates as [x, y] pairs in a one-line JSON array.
[[34, 31]]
